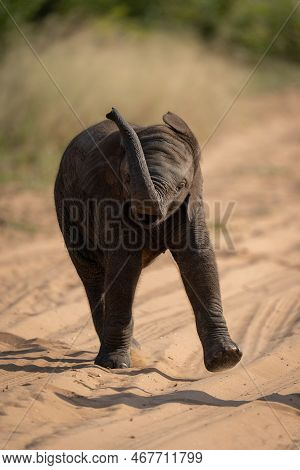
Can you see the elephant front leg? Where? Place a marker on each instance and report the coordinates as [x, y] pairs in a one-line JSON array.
[[122, 273], [197, 265]]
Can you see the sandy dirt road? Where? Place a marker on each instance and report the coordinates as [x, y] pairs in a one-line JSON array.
[[52, 396]]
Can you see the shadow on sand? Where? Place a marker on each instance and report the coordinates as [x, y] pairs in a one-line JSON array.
[[124, 396], [189, 397]]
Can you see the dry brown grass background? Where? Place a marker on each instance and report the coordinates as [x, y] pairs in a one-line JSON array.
[[97, 66]]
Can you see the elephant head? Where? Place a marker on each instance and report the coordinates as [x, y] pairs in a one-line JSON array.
[[163, 164]]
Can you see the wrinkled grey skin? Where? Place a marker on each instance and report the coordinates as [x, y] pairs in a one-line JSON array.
[[158, 164]]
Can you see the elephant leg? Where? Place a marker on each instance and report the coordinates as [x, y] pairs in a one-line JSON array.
[[121, 277], [197, 265], [96, 300], [92, 277]]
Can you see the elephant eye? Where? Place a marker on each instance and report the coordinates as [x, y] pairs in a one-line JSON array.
[[181, 185]]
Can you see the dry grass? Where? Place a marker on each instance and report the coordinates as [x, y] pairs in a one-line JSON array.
[[143, 75]]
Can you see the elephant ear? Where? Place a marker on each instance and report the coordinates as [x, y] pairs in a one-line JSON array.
[[178, 125], [195, 194]]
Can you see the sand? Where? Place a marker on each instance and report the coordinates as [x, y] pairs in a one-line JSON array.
[[53, 397]]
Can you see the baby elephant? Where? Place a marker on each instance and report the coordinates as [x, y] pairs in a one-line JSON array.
[[125, 194]]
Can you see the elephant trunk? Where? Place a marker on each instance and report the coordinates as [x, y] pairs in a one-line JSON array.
[[143, 191]]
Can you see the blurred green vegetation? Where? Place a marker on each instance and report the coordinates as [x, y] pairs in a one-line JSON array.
[[145, 57], [247, 24]]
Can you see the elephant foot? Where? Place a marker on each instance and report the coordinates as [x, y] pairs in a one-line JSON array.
[[113, 360], [221, 355]]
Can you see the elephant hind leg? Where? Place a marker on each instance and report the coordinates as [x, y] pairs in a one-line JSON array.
[[95, 297], [122, 274], [92, 276]]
